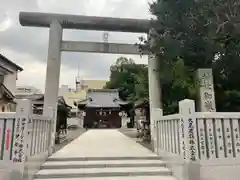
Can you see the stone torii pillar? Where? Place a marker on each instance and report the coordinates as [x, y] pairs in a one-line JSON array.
[[53, 69], [153, 78], [52, 75], [154, 88]]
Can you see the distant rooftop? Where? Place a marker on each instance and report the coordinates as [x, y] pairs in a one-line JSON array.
[[10, 62], [27, 90], [108, 98]]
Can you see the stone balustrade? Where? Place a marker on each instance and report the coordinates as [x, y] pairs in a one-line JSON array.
[[25, 142], [199, 145]]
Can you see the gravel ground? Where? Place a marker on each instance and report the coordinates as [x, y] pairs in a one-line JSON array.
[[132, 133], [71, 135]]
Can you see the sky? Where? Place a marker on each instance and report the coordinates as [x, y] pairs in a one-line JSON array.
[[27, 46]]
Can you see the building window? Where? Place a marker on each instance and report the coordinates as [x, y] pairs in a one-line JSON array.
[[3, 108]]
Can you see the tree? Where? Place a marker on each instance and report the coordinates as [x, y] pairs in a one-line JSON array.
[[141, 83], [191, 34], [129, 78]]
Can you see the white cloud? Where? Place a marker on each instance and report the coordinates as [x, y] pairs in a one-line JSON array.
[[27, 46], [5, 21]]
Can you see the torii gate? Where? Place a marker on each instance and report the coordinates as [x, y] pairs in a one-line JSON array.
[[57, 22]]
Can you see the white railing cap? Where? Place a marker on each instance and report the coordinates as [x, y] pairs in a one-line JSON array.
[[218, 115], [170, 117], [41, 117], [4, 115]]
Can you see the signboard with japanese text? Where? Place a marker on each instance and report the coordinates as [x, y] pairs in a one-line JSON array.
[[18, 147], [207, 96], [188, 134]]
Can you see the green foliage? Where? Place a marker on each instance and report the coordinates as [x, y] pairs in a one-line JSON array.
[[187, 35], [191, 34], [129, 78]]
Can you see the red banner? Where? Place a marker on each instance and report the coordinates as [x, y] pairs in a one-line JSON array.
[[8, 138]]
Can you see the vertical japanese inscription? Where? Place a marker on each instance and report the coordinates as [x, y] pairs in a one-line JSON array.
[[207, 96], [236, 136], [191, 140], [18, 149], [228, 138], [210, 136], [202, 142], [182, 136]]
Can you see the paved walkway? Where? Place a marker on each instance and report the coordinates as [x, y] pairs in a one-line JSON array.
[[71, 135], [104, 155], [102, 143]]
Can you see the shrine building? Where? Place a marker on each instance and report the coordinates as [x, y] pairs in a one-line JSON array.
[[102, 108]]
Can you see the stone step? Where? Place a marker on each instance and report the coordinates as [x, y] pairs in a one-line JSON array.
[[101, 164], [102, 172], [154, 157], [120, 178]]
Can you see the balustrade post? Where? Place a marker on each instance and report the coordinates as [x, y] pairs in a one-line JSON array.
[[188, 139], [22, 139]]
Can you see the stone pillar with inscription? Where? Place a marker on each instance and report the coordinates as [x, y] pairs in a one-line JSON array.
[[188, 139], [22, 139], [206, 91]]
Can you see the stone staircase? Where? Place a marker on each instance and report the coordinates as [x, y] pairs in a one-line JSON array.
[[104, 168]]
